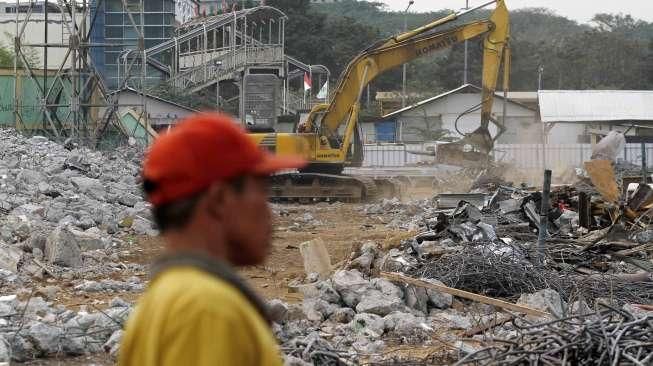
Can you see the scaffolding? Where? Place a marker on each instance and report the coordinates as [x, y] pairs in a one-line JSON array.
[[73, 102]]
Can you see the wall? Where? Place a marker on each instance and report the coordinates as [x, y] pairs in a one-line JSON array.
[[570, 133], [522, 123], [161, 113], [35, 33], [557, 157], [30, 109]]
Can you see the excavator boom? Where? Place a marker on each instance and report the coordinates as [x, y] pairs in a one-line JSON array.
[[395, 51], [327, 135]]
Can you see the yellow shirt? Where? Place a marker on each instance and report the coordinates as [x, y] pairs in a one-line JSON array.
[[190, 317]]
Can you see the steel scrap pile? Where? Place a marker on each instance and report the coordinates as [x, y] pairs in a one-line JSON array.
[[487, 243], [608, 337]]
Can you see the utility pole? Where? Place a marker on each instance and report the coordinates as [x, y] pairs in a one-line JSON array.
[[403, 80], [540, 71], [465, 67]]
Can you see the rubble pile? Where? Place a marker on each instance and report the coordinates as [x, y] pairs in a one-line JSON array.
[[65, 209], [611, 336], [596, 254], [35, 328]]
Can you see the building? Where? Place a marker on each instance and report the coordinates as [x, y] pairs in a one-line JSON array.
[[161, 113], [575, 116], [421, 121], [35, 32], [213, 7], [113, 25], [186, 10]]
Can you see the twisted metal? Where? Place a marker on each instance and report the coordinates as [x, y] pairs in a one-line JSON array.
[[610, 337], [318, 351], [505, 272]]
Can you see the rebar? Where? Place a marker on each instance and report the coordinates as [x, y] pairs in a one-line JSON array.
[[505, 272], [609, 337]]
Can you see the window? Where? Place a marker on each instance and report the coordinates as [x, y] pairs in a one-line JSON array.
[[153, 19], [113, 19], [130, 32], [154, 5], [152, 42], [168, 19], [169, 5], [154, 32], [111, 57], [113, 5], [113, 32]]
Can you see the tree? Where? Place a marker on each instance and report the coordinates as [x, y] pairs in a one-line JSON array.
[[7, 54]]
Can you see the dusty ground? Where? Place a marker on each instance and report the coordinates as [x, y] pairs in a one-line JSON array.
[[343, 226]]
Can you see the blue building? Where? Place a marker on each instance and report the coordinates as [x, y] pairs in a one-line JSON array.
[[113, 25]]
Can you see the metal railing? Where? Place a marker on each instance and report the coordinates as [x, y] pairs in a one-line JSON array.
[[224, 64], [521, 156]]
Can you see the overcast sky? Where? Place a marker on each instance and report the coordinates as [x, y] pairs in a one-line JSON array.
[[579, 10]]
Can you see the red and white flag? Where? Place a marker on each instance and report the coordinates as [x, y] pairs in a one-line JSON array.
[[307, 82]]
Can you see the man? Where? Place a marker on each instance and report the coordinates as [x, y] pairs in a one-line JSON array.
[[206, 180]]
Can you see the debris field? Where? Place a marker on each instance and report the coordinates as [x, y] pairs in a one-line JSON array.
[[453, 278]]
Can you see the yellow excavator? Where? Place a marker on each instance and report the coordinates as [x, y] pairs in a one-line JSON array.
[[329, 137]]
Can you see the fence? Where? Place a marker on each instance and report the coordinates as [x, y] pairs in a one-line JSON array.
[[525, 156]]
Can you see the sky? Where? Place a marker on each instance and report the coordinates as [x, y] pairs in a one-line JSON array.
[[579, 10]]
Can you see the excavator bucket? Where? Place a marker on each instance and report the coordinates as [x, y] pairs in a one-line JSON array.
[[469, 152]]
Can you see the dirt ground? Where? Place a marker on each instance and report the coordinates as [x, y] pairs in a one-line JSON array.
[[343, 226]]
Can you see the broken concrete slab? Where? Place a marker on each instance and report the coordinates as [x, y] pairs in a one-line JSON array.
[[90, 186], [316, 257], [416, 298], [547, 300], [376, 302], [10, 257], [342, 315], [370, 325], [437, 298], [62, 249], [351, 285], [277, 310]]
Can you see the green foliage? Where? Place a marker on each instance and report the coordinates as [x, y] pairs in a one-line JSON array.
[[7, 54], [196, 101], [612, 51]]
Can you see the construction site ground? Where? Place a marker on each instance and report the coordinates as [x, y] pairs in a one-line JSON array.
[[342, 227]]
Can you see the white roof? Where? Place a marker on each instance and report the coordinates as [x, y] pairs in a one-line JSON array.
[[470, 87], [595, 105]]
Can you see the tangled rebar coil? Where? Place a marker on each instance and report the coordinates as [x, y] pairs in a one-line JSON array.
[[505, 272], [609, 337]]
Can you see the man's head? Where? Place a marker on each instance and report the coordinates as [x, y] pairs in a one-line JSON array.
[[207, 181]]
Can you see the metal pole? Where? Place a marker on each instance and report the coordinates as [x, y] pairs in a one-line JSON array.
[[403, 79], [544, 216], [45, 61], [643, 163], [540, 71], [465, 62]]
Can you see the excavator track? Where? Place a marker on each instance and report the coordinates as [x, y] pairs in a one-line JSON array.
[[312, 187]]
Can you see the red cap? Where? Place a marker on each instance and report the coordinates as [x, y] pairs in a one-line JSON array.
[[200, 150]]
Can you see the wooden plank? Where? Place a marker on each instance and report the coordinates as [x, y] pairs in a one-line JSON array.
[[464, 294], [603, 178]]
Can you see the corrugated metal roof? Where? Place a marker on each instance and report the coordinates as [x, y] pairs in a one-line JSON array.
[[464, 87], [595, 105]]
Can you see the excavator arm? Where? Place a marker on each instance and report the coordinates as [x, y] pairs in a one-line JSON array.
[[343, 109]]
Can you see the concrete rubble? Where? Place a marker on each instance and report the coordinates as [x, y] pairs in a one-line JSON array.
[[67, 217]]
